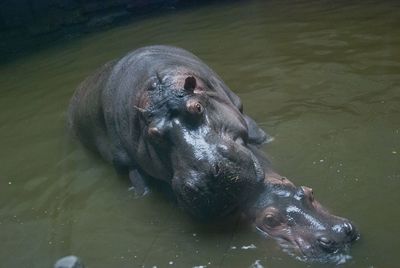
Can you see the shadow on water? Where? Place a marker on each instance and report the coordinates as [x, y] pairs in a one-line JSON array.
[[322, 77], [18, 42]]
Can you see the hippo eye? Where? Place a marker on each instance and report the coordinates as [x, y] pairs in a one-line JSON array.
[[311, 196], [271, 221], [199, 108], [154, 132], [194, 107], [308, 192]]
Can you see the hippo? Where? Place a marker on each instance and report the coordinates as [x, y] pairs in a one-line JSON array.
[[161, 113], [301, 225]]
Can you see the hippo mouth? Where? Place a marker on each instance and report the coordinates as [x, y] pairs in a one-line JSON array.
[[338, 254], [308, 249], [306, 252], [222, 188]]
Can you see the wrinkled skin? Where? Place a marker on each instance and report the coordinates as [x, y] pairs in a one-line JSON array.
[[160, 112], [302, 226]]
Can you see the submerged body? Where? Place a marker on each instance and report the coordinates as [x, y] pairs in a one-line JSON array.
[[160, 112]]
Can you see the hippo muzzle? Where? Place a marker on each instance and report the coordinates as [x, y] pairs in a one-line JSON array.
[[214, 177]]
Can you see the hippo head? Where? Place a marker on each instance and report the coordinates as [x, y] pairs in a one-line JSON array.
[[197, 133], [300, 224]]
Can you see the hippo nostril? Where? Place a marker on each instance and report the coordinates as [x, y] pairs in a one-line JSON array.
[[350, 231], [217, 170], [348, 228], [326, 243], [324, 240]]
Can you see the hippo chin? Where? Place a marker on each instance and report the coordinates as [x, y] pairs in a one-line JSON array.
[[160, 112], [300, 224]]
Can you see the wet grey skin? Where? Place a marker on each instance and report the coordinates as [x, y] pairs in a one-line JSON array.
[[300, 224], [161, 113]]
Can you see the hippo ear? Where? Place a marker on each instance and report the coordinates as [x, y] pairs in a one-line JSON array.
[[190, 83], [257, 136], [158, 128]]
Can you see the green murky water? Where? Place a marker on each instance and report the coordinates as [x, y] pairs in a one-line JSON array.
[[322, 77]]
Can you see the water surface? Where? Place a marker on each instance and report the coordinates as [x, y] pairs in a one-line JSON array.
[[322, 77]]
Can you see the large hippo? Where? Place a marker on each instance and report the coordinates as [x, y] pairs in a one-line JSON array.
[[160, 112]]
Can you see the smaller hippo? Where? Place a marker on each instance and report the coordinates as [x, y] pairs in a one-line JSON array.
[[301, 225]]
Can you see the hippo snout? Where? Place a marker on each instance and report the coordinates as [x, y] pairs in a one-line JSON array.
[[346, 231], [217, 187], [343, 234], [237, 154], [350, 231]]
